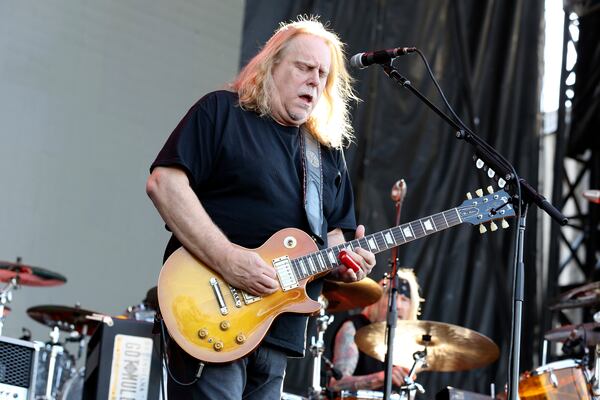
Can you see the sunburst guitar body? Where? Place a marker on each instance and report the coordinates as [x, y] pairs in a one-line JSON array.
[[214, 322], [217, 323]]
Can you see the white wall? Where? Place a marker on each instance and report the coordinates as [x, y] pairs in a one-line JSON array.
[[89, 91]]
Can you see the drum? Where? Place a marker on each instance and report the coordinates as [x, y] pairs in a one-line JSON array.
[[364, 395], [55, 367], [561, 380]]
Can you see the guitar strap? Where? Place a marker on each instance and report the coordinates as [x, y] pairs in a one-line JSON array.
[[313, 183]]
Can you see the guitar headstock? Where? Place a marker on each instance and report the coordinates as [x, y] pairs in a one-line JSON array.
[[487, 208]]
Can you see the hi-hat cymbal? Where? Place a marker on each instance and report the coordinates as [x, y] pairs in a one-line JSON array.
[[582, 296], [589, 331], [28, 275], [450, 348], [347, 296], [65, 318]]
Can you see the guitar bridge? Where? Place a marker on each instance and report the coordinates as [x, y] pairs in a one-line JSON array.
[[219, 295], [285, 273]]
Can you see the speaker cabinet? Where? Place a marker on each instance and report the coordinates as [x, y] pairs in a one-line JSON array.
[[123, 361]]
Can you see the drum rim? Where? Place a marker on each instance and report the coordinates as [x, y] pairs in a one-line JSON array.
[[556, 365]]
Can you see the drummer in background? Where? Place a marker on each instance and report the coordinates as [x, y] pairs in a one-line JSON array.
[[359, 370]]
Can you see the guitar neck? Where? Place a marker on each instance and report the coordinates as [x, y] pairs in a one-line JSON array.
[[327, 259]]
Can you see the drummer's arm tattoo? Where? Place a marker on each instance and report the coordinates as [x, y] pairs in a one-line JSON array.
[[345, 358]]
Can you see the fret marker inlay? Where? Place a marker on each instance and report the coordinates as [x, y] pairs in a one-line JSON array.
[[372, 244], [428, 225]]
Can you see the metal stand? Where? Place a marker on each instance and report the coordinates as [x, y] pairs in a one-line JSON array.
[[317, 348], [518, 295], [410, 385], [528, 194], [596, 376], [56, 349], [392, 320], [6, 298], [398, 193]]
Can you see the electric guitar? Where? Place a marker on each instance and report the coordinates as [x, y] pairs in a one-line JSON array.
[[216, 323]]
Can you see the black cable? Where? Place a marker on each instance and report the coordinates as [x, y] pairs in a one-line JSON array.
[[459, 121], [163, 345]]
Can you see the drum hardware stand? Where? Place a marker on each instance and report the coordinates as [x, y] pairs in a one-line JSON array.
[[56, 349], [420, 358], [317, 348], [6, 297], [105, 319], [596, 376]]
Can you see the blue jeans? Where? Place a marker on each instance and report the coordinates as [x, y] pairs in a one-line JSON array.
[[258, 376]]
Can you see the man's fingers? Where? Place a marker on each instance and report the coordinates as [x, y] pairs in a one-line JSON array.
[[360, 232]]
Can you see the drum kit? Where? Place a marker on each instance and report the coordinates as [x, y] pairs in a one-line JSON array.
[[58, 374], [427, 345], [570, 378], [442, 347]]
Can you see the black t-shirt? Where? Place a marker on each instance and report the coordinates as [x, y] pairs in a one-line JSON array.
[[247, 172]]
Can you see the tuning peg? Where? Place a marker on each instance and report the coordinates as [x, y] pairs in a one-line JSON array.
[[491, 173], [469, 195], [504, 224], [482, 229], [493, 226], [479, 192], [479, 163], [501, 183], [490, 189]]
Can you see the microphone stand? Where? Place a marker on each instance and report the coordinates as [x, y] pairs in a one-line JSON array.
[[398, 193], [528, 195]]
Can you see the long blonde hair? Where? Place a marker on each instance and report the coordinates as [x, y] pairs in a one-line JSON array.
[[415, 298], [329, 122]]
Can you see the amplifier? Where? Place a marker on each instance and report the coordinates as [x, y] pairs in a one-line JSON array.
[[451, 393], [18, 368], [123, 362]]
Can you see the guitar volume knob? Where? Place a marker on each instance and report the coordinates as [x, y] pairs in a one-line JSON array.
[[203, 333], [240, 338], [225, 325], [218, 346]]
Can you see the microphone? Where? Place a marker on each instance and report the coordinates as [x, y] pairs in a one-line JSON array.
[[363, 60]]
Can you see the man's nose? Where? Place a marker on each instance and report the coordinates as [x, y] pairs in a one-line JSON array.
[[313, 78]]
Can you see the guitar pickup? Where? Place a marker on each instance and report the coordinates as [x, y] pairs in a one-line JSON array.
[[219, 295], [287, 278], [249, 299]]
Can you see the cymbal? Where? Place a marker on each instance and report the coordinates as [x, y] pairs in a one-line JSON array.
[[28, 275], [589, 331], [451, 348], [347, 296], [582, 296], [65, 318]]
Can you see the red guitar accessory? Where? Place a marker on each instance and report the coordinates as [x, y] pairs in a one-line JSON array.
[[348, 261]]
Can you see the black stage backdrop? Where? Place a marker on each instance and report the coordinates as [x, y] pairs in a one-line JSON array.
[[486, 56]]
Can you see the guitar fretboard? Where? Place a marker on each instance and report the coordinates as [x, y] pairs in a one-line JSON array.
[[327, 259]]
